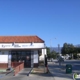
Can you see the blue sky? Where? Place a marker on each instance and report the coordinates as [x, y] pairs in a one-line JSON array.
[[49, 19]]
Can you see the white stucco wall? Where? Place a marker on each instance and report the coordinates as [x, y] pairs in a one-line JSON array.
[[9, 46], [6, 46], [4, 56], [41, 58], [35, 56]]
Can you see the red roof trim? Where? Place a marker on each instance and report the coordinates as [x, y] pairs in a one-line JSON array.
[[20, 39]]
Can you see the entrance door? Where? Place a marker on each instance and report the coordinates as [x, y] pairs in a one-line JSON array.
[[32, 59], [28, 59], [22, 56]]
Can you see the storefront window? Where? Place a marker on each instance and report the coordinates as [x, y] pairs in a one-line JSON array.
[[21, 55]]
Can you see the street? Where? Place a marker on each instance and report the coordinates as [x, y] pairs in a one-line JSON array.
[[56, 72], [59, 72]]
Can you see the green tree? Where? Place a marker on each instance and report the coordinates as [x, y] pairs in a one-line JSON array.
[[67, 49], [71, 50], [51, 54], [76, 51]]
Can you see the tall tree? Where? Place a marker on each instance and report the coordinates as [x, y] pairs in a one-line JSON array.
[[51, 54], [71, 50], [48, 52], [65, 49]]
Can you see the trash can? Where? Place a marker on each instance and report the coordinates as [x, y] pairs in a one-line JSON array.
[[68, 68]]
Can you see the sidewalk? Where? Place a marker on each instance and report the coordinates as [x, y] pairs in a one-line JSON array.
[[37, 74], [59, 72]]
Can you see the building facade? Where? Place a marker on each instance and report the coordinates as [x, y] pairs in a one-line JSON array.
[[21, 49]]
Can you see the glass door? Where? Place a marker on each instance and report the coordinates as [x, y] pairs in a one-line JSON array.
[[32, 58], [23, 56], [28, 59]]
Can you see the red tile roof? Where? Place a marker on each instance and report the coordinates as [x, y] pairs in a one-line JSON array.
[[20, 39]]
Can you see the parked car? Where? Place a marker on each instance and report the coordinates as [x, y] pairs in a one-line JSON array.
[[61, 59], [50, 60]]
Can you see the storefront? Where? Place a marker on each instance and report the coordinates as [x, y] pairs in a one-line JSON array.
[[21, 49]]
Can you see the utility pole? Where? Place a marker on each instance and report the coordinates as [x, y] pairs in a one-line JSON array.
[[59, 48], [51, 44]]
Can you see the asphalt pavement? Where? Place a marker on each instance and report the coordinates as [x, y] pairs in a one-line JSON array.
[[59, 72], [23, 76], [56, 72], [31, 77]]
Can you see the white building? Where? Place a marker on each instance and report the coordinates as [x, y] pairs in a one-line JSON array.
[[21, 48]]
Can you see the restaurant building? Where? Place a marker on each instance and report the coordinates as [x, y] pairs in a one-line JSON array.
[[27, 49]]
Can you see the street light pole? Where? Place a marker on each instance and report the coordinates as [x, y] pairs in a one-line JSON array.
[[58, 48], [51, 44]]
